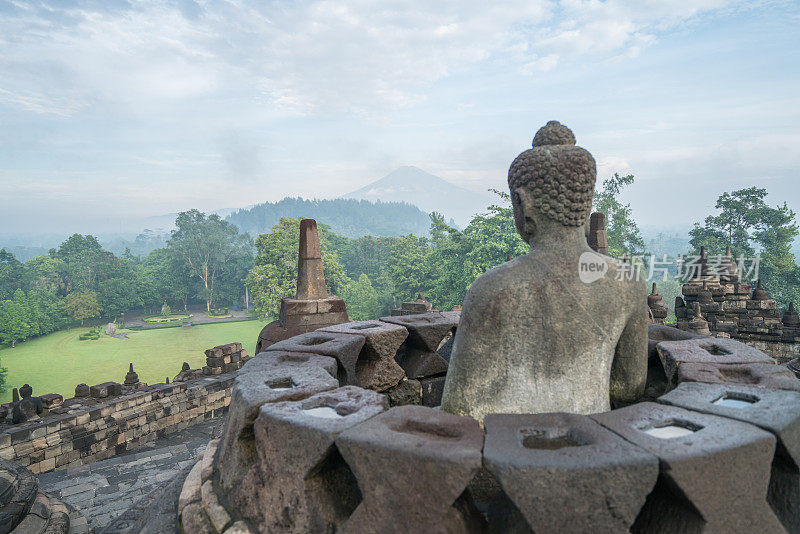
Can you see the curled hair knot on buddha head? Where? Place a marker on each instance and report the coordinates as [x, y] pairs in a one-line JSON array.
[[558, 175]]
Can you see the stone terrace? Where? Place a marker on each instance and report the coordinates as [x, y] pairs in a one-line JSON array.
[[104, 490]]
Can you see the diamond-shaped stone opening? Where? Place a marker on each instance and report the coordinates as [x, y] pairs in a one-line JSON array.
[[316, 340], [427, 429], [736, 400], [281, 384], [671, 429], [551, 439], [365, 326], [715, 350], [296, 358], [323, 412]]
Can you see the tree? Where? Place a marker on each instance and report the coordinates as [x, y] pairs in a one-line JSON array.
[[15, 319], [44, 272], [83, 262], [462, 256], [82, 305], [362, 300], [206, 244], [274, 274], [410, 267], [12, 274], [749, 226], [624, 237], [118, 295]]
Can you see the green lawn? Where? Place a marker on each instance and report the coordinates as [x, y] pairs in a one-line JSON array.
[[58, 362]]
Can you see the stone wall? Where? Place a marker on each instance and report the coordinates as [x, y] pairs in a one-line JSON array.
[[96, 429]]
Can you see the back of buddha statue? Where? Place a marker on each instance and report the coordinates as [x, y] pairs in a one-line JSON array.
[[562, 328]]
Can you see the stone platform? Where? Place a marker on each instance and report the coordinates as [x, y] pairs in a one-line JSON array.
[[104, 490]]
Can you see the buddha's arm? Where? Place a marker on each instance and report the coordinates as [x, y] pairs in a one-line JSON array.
[[629, 368]]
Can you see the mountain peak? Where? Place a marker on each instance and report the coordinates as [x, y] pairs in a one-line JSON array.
[[426, 191]]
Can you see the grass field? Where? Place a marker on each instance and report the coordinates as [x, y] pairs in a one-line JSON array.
[[58, 362]]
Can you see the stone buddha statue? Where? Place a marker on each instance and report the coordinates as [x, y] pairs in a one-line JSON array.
[[563, 328]]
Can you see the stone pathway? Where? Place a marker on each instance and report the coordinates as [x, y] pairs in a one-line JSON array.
[[104, 490]]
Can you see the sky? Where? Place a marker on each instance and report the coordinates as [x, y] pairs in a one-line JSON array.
[[113, 110]]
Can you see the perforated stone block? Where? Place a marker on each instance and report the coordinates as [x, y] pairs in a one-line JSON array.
[[376, 367], [269, 381], [426, 331], [300, 482], [757, 374], [567, 473], [413, 464], [718, 351], [268, 360], [773, 410], [702, 458], [344, 347]]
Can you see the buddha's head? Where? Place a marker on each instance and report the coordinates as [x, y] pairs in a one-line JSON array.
[[552, 183]]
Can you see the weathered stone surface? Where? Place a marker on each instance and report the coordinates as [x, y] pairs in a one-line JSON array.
[[716, 351], [82, 390], [51, 400], [413, 464], [656, 377], [310, 277], [268, 381], [406, 392], [344, 347], [773, 410], [419, 363], [131, 378], [110, 329], [425, 331], [530, 325], [566, 473], [300, 482], [757, 374], [106, 389], [699, 489], [268, 360], [376, 367], [432, 388], [24, 410]]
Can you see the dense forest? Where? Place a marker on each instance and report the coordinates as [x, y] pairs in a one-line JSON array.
[[347, 217], [208, 260]]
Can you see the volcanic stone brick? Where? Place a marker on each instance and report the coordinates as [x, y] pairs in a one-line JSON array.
[[24, 410], [344, 347], [51, 400], [426, 331], [268, 360], [413, 465], [656, 333], [702, 458], [709, 350], [432, 388], [757, 374], [300, 482], [269, 382], [375, 368], [406, 392], [566, 473], [106, 389], [82, 390], [773, 410]]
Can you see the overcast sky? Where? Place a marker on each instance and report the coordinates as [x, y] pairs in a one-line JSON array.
[[112, 110]]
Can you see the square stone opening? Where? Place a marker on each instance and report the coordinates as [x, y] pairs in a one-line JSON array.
[[734, 399], [672, 428], [323, 412], [551, 439]]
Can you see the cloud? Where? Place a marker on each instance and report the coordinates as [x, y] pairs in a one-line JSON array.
[[320, 56]]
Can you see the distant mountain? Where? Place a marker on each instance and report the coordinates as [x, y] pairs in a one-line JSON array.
[[428, 192], [347, 217]]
